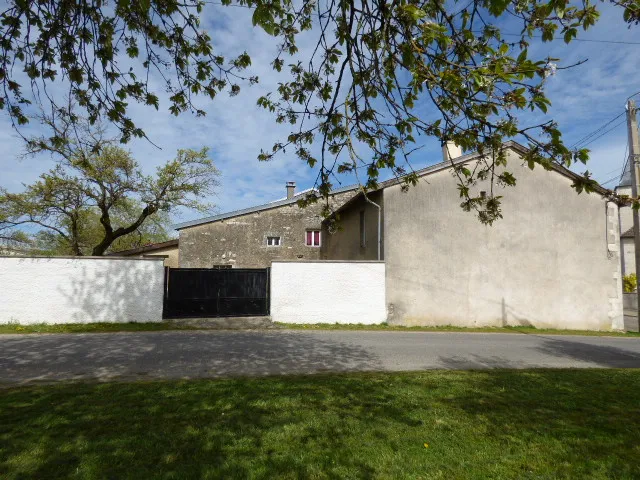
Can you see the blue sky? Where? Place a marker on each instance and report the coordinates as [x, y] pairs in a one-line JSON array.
[[235, 129]]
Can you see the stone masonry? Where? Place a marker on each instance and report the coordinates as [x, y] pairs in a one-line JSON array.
[[241, 240]]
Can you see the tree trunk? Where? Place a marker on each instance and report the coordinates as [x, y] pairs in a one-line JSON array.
[[75, 244], [99, 249], [112, 236]]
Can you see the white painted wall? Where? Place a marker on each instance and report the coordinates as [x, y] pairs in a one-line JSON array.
[[628, 251], [80, 290], [328, 292], [553, 261]]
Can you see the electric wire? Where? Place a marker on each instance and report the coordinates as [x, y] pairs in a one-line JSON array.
[[591, 40], [596, 131], [626, 162], [604, 133], [609, 181]]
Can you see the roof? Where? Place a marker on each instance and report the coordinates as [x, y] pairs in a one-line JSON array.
[[627, 234], [146, 248], [299, 194], [467, 158], [257, 208]]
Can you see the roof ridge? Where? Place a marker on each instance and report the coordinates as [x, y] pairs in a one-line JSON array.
[[256, 208], [147, 247]]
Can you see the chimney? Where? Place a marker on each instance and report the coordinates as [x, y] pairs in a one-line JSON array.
[[291, 188], [450, 151]]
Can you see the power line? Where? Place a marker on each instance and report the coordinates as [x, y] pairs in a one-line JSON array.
[[230, 5], [610, 180], [597, 130], [592, 40], [604, 133], [619, 176], [625, 160], [614, 170]]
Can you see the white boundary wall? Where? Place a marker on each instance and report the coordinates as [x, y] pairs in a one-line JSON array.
[[328, 292], [80, 289]]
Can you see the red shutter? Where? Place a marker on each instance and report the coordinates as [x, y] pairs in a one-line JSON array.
[[309, 240], [316, 238]]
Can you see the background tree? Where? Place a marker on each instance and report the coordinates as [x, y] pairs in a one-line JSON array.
[[154, 229], [107, 189], [11, 238], [383, 74]]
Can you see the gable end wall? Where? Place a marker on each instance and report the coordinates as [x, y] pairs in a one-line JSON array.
[[241, 241], [551, 262]]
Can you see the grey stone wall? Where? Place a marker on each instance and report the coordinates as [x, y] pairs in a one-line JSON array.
[[171, 253], [630, 301], [242, 241], [343, 242]]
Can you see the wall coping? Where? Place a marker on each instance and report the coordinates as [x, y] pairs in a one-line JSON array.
[[326, 261], [155, 258]]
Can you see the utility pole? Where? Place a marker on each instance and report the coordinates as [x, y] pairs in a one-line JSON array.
[[634, 161]]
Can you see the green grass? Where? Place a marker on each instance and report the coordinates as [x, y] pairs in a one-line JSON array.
[[448, 328], [92, 327], [168, 325], [537, 424]]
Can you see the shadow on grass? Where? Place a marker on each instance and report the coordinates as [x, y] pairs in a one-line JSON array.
[[587, 421], [500, 424]]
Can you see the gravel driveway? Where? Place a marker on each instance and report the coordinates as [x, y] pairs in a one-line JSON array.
[[196, 354]]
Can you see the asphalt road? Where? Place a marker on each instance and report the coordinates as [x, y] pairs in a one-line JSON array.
[[197, 354]]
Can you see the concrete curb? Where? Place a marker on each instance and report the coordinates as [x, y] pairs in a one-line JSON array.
[[228, 323]]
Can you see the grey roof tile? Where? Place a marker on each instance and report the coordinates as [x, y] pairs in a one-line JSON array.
[[257, 208]]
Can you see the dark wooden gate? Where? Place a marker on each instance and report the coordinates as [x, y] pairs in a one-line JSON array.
[[206, 292]]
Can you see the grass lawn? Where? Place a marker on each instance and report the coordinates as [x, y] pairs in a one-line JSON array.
[[448, 328], [93, 327], [168, 325], [536, 424]]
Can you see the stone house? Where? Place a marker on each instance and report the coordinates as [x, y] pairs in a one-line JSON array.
[[254, 237], [627, 249], [627, 243], [167, 250], [552, 261]]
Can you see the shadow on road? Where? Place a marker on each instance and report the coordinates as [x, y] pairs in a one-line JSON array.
[[175, 355], [549, 352], [603, 355]]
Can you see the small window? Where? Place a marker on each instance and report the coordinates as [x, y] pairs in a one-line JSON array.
[[313, 238], [273, 241], [363, 233]]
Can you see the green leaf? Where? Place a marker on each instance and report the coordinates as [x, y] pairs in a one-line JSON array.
[[414, 12], [570, 35], [523, 56], [263, 18], [497, 7]]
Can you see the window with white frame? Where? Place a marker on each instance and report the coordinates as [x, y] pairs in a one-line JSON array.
[[313, 238], [273, 241]]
